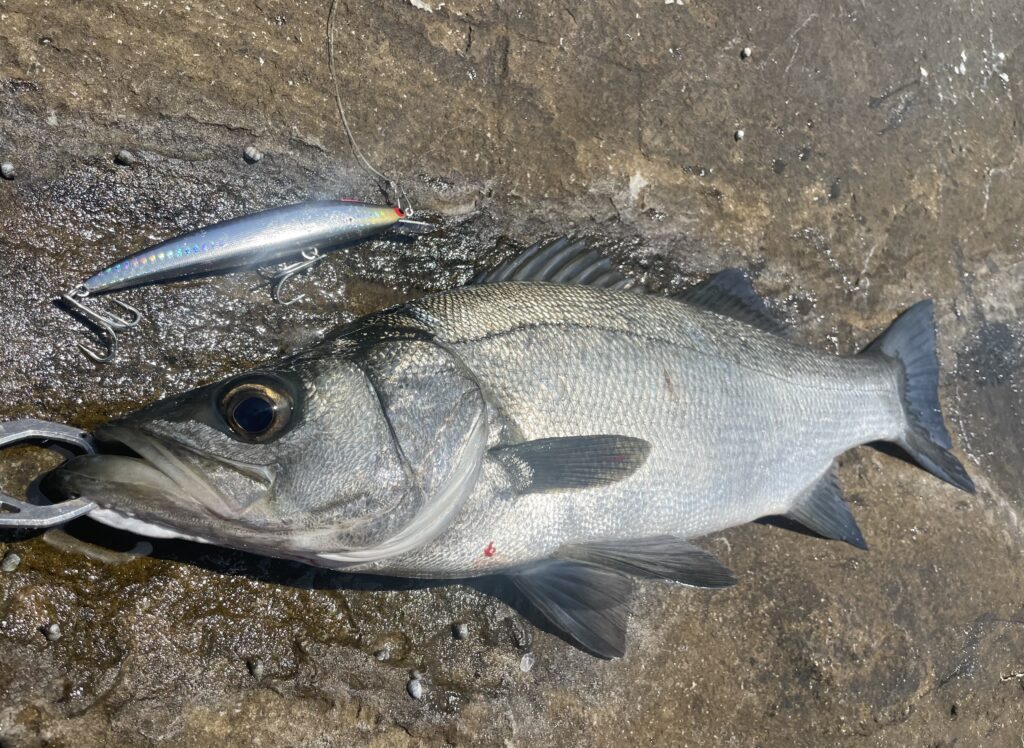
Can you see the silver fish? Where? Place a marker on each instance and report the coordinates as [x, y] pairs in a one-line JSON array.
[[566, 437]]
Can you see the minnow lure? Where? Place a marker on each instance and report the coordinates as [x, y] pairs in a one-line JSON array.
[[303, 230]]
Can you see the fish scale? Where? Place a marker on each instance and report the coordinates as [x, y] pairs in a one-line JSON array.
[[756, 419]]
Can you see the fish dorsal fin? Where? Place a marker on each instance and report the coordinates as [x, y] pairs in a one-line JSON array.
[[589, 604], [573, 462], [821, 508], [559, 261], [730, 293], [658, 557]]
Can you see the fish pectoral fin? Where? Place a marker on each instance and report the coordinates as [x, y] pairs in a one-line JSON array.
[[821, 508], [658, 557], [570, 462], [730, 293], [589, 604]]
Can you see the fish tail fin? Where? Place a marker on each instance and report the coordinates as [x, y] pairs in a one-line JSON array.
[[910, 343]]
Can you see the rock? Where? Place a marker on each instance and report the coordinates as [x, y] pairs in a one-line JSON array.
[[533, 124], [415, 688], [51, 631], [521, 636], [10, 562], [255, 667]]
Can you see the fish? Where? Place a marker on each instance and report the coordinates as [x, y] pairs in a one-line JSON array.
[[563, 438]]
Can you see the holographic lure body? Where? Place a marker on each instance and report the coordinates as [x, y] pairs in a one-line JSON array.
[[302, 232], [258, 239]]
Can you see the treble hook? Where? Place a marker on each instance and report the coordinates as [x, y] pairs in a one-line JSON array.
[[108, 322], [310, 257], [80, 293]]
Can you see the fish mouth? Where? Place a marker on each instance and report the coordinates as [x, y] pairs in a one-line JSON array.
[[153, 485]]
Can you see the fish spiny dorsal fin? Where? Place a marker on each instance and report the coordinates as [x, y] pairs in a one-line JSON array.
[[821, 508], [587, 603], [730, 293], [571, 462], [658, 557], [559, 261]]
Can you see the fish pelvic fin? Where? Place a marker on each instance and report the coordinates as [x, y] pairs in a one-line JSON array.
[[583, 591], [588, 604], [910, 343]]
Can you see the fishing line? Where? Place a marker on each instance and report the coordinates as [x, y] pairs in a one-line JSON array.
[[390, 184]]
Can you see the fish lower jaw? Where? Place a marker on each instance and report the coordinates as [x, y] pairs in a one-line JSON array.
[[120, 519]]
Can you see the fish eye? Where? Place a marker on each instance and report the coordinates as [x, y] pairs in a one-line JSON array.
[[256, 411]]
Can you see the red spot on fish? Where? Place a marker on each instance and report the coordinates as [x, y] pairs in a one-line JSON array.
[[399, 213], [489, 550]]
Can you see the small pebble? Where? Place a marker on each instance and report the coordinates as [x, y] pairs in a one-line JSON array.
[[256, 667], [415, 674], [520, 635], [125, 157], [7, 170], [415, 688], [252, 154], [52, 632], [745, 53], [10, 562], [460, 631], [383, 654], [526, 664], [739, 135]]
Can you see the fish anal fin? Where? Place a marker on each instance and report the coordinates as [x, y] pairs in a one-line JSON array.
[[573, 462], [658, 557], [589, 604], [821, 508], [731, 294]]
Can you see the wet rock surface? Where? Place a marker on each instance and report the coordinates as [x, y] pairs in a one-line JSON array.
[[880, 163]]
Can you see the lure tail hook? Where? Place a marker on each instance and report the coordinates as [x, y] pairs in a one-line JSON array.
[[310, 257], [108, 323]]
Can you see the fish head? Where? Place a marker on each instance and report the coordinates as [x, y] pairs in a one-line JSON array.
[[320, 454]]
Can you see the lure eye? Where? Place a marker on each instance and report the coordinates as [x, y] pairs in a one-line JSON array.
[[256, 413]]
